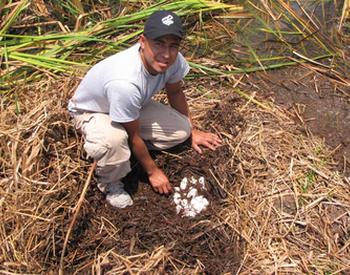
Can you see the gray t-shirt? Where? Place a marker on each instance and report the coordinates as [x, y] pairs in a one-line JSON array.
[[120, 85]]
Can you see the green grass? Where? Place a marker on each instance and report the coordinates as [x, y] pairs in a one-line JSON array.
[[308, 181], [24, 56], [59, 53]]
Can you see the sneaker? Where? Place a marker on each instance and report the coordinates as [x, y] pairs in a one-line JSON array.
[[102, 187], [117, 196]]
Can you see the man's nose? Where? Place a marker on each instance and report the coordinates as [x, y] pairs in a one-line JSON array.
[[166, 51]]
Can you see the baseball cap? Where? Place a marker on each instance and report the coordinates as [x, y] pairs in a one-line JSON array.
[[161, 23]]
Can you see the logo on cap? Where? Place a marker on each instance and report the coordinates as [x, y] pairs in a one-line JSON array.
[[168, 20]]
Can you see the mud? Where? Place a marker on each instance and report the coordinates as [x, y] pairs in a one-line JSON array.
[[152, 221], [320, 105]]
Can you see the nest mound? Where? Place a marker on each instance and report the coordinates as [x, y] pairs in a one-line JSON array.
[[276, 202]]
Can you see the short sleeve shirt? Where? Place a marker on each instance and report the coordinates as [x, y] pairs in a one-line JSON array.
[[120, 85]]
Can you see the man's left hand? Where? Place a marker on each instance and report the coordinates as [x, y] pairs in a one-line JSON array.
[[209, 140]]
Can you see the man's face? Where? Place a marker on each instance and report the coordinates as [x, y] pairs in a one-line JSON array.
[[159, 54]]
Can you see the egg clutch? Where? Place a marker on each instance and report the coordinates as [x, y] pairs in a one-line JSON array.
[[187, 199]]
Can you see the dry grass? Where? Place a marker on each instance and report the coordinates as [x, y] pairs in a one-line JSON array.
[[287, 203]]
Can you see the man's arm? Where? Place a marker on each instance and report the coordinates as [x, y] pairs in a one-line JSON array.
[[157, 178], [177, 100]]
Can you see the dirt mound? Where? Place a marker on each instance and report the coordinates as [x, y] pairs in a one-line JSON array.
[[152, 221], [277, 202]]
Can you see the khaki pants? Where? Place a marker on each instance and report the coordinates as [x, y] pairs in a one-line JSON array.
[[161, 127]]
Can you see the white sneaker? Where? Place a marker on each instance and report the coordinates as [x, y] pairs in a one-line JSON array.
[[117, 196]]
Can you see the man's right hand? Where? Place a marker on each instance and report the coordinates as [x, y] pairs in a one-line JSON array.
[[160, 182], [157, 178]]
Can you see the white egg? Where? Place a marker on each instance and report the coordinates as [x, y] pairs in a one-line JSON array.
[[177, 198], [192, 193], [183, 183], [190, 213], [178, 209], [199, 203], [193, 180], [202, 182], [184, 203]]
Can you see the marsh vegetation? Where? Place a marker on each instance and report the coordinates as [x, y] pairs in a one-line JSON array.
[[270, 77]]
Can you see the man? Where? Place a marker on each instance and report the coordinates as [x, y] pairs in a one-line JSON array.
[[113, 109]]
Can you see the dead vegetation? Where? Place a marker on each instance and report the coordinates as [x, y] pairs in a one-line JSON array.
[[279, 202], [279, 194]]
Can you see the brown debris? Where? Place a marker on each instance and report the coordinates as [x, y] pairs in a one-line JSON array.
[[278, 204]]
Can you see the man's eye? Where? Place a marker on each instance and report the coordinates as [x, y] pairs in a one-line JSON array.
[[157, 43]]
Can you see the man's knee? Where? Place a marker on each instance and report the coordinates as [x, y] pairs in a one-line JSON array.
[[185, 132], [95, 149], [181, 135], [109, 149]]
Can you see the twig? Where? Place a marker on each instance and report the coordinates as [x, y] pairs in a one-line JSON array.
[[311, 60], [76, 212]]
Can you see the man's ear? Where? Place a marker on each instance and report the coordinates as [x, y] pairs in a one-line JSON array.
[[142, 41]]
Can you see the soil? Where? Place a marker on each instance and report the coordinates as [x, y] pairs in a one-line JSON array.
[[152, 220], [320, 107], [319, 104]]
